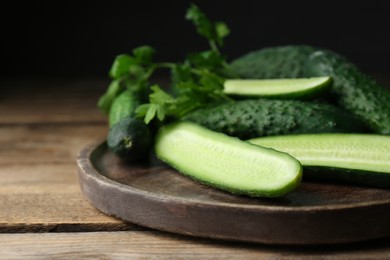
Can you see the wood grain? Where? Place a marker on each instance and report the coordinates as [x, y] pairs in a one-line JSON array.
[[41, 144], [38, 179], [46, 197], [42, 129], [157, 245], [50, 101]]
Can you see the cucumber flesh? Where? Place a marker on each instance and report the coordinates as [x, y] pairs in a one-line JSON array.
[[365, 152], [226, 162], [278, 88]]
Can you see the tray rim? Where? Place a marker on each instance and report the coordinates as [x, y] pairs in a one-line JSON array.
[[86, 153], [318, 214]]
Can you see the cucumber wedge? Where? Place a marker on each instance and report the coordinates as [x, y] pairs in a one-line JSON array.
[[227, 163], [277, 88], [355, 158]]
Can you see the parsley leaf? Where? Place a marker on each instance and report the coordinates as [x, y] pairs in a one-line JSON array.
[[121, 65], [214, 32], [144, 54], [222, 30], [206, 60], [203, 25], [160, 104]]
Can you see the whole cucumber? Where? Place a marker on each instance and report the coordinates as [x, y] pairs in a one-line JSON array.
[[273, 62], [248, 119], [355, 91], [130, 139], [123, 106]]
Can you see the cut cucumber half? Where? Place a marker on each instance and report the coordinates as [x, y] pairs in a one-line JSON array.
[[362, 158], [277, 88], [226, 162]]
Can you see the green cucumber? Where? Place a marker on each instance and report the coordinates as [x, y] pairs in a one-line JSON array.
[[354, 158], [130, 139], [225, 162], [247, 119], [123, 106], [355, 91], [273, 62], [277, 88]]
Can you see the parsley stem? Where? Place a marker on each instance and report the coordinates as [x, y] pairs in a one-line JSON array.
[[232, 73], [149, 73], [165, 65], [214, 46]]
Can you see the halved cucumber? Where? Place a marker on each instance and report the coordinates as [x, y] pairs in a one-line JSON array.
[[226, 162], [278, 88], [355, 158]]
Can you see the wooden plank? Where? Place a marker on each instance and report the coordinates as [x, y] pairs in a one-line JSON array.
[[158, 245], [41, 144], [51, 101], [47, 197], [38, 180]]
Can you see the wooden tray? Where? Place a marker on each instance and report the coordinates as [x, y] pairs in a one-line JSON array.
[[158, 197]]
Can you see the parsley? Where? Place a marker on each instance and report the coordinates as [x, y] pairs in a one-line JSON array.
[[214, 32], [128, 72], [195, 82]]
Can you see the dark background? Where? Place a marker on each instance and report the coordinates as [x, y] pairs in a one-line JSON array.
[[70, 39]]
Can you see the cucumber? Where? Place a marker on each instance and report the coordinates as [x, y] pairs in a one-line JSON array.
[[130, 139], [355, 91], [353, 158], [123, 106], [247, 119], [274, 62], [277, 88], [225, 162], [105, 101]]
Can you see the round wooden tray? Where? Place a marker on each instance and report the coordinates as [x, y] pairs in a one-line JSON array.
[[158, 197]]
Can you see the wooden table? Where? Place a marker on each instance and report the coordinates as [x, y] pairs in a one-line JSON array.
[[43, 125]]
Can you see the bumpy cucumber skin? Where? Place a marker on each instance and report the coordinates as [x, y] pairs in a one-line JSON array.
[[355, 91], [213, 136], [274, 62], [123, 106], [248, 119]]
